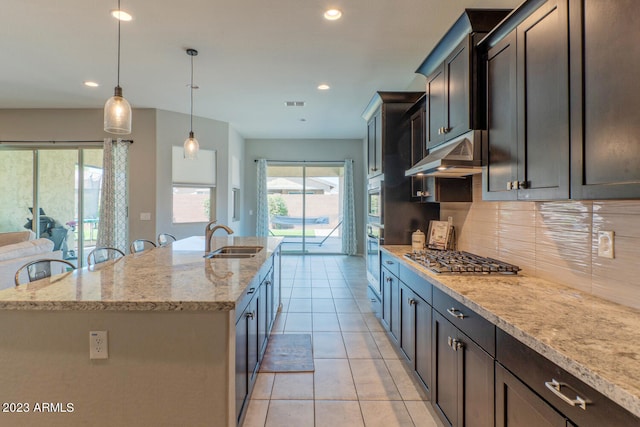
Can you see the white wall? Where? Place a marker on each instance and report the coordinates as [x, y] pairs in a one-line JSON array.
[[298, 150]]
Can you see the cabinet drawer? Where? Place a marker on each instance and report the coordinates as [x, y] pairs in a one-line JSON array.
[[536, 371], [390, 263], [418, 284], [475, 326]]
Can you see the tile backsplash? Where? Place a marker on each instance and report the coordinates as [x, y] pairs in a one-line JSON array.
[[556, 241]]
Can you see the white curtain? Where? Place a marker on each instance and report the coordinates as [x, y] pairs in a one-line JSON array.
[[262, 211], [113, 227], [349, 242]]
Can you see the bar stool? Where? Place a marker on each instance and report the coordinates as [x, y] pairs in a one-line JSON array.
[[165, 238], [102, 254], [42, 268], [140, 245]]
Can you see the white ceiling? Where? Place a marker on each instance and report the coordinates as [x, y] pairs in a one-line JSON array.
[[253, 56]]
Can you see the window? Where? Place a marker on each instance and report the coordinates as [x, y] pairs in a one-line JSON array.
[[193, 187]]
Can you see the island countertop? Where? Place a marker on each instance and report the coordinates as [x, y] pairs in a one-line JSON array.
[[172, 278], [593, 339]]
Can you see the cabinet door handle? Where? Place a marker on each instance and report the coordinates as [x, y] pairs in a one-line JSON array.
[[250, 315], [556, 388], [454, 343], [455, 313], [446, 130], [389, 262], [268, 282], [523, 184], [251, 290], [509, 185], [411, 301]]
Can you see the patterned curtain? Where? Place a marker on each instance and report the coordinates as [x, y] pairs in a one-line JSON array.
[[113, 227], [262, 211], [349, 242]]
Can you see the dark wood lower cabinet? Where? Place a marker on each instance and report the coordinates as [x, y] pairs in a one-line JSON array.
[[518, 405], [463, 389], [415, 337], [385, 286]]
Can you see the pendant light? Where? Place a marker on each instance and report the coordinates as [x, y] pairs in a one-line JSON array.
[[191, 145], [117, 111]]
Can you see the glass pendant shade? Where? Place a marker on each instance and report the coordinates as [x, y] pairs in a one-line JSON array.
[[191, 147], [117, 114]]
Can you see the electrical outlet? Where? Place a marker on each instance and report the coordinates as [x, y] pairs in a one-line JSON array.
[[98, 345], [605, 244]]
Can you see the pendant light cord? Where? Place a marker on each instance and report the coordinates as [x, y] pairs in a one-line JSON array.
[[191, 87], [119, 10]]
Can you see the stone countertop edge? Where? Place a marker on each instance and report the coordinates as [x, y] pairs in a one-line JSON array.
[[546, 319], [172, 278]]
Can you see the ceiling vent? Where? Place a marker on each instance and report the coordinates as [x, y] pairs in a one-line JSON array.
[[294, 103]]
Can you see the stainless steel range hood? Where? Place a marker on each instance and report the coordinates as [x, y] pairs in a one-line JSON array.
[[459, 157]]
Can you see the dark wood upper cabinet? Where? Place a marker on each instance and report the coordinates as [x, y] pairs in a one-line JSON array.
[[605, 106], [454, 97], [528, 107]]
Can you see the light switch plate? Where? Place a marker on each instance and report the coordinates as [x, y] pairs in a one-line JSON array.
[[145, 216], [605, 244]]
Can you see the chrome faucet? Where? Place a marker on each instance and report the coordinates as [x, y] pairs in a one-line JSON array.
[[208, 233]]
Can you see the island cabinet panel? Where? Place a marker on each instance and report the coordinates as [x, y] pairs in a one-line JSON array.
[[605, 58], [248, 348], [415, 333], [518, 405], [540, 118], [463, 377]]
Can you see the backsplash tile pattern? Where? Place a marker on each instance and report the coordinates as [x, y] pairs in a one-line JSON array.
[[557, 241]]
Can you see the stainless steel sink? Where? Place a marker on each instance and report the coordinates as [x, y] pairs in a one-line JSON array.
[[234, 252]]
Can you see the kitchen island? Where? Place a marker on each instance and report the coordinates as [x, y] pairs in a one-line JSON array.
[[170, 315], [594, 340]]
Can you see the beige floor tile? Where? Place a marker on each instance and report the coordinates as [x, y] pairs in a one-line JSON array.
[[387, 348], [298, 322], [299, 305], [346, 305], [352, 322], [373, 380], [338, 413], [301, 293], [290, 413], [406, 382], [320, 283], [328, 345], [293, 386], [256, 413], [341, 293], [325, 322], [321, 293], [332, 380], [360, 345], [323, 305], [263, 386], [385, 414], [364, 304], [302, 283], [373, 323], [422, 414]]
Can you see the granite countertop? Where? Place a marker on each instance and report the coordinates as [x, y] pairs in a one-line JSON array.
[[594, 339], [171, 278]]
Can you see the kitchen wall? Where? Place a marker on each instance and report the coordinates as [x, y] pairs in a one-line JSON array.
[[556, 241], [299, 150]]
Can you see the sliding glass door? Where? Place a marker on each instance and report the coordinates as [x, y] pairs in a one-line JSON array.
[[305, 206], [55, 193]]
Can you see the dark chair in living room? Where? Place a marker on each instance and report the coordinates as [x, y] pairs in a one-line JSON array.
[[140, 245], [165, 238], [42, 268], [102, 254]]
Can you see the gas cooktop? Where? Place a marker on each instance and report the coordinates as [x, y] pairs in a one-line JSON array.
[[459, 262]]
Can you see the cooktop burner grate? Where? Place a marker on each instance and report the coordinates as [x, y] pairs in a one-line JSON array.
[[458, 262]]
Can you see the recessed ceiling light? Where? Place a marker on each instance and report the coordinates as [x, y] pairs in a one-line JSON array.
[[91, 84], [324, 87], [121, 15], [332, 14]]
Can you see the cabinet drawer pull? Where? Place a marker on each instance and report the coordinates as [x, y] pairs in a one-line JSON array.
[[250, 315], [389, 262], [454, 343], [251, 290], [455, 313], [411, 301], [268, 282], [556, 388]]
